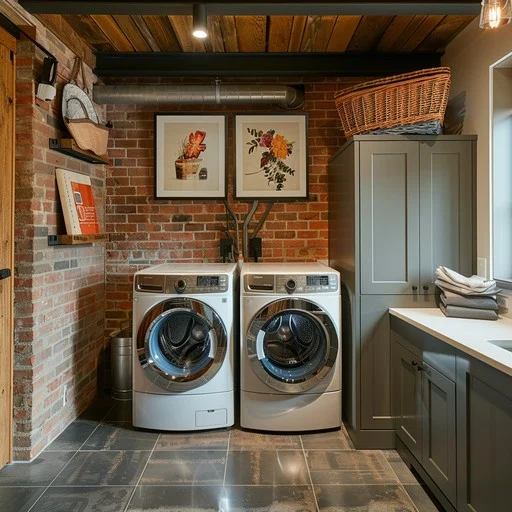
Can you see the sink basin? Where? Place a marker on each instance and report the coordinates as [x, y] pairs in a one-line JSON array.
[[506, 344]]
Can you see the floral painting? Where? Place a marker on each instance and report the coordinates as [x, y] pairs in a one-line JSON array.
[[271, 156], [190, 156]]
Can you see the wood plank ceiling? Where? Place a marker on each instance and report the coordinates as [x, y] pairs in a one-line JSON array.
[[148, 33]]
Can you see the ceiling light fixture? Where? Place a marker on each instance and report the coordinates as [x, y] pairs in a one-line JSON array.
[[495, 13], [199, 22]]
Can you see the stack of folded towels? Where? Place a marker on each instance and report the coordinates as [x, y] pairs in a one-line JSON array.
[[466, 297]]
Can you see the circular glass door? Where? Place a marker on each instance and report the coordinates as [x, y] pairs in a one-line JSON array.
[[292, 344], [181, 343]]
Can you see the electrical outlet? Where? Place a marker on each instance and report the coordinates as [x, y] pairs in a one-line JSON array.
[[65, 397], [226, 245], [481, 267], [503, 301]]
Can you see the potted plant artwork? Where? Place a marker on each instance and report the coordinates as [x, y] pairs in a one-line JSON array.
[[188, 163]]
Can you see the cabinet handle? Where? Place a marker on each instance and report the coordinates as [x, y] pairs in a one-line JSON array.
[[417, 366], [414, 288], [425, 288]]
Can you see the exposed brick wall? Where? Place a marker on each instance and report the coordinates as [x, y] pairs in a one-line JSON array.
[[59, 291], [145, 231]]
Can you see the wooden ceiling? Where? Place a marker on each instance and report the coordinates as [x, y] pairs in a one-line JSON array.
[[172, 33]]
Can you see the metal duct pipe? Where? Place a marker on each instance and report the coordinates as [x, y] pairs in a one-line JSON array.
[[283, 95]]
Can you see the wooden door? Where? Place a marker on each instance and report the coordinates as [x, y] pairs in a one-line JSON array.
[[439, 432], [389, 212], [407, 399], [7, 81], [446, 209]]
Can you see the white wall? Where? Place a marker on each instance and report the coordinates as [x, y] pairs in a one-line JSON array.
[[469, 56]]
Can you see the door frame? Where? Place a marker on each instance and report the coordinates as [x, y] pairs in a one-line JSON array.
[[6, 351]]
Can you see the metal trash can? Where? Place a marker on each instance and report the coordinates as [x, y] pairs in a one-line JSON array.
[[121, 352]]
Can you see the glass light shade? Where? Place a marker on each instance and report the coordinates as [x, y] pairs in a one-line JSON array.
[[495, 13], [199, 33]]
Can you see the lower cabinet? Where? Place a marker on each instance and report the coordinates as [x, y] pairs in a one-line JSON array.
[[484, 437], [453, 421], [425, 413]]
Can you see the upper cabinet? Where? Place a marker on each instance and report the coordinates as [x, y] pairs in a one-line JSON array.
[[416, 213]]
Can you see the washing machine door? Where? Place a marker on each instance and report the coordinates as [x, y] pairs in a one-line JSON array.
[[292, 345], [181, 344]]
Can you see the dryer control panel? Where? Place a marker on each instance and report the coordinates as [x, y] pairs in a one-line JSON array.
[[281, 284], [186, 284]]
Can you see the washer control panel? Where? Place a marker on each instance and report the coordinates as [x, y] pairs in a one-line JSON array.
[[186, 284], [290, 284]]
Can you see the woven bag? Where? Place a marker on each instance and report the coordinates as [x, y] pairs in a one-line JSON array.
[[80, 116]]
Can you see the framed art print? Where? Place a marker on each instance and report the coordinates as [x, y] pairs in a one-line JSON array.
[[190, 156], [271, 156]]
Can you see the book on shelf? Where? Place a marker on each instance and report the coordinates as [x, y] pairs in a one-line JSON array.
[[77, 201]]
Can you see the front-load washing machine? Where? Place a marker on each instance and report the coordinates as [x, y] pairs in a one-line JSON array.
[[290, 347], [183, 335]]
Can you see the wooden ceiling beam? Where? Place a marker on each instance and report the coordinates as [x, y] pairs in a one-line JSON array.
[[261, 64], [256, 7]]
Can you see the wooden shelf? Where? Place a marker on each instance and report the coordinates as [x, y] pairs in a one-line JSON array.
[[70, 147], [75, 239]]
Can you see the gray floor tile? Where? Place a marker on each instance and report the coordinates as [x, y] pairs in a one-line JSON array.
[[177, 499], [296, 498], [349, 467], [421, 499], [99, 408], [74, 436], [19, 499], [84, 499], [282, 467], [400, 468], [337, 440], [103, 468], [122, 411], [361, 498], [40, 472], [185, 468], [244, 440], [211, 440], [121, 436]]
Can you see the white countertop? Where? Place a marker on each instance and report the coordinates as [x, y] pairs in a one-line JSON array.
[[467, 335]]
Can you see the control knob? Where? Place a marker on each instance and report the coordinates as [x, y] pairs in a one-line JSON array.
[[290, 285], [180, 285]]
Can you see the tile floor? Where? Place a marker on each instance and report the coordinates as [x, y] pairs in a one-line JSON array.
[[101, 463]]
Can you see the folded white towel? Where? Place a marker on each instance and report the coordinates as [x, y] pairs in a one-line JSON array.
[[476, 283]]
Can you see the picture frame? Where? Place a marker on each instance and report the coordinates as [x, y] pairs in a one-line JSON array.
[[190, 156], [271, 157]]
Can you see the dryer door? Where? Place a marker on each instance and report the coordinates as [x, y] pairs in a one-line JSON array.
[[181, 343], [292, 345]]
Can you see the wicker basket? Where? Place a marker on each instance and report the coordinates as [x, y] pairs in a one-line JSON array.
[[187, 169], [402, 100]]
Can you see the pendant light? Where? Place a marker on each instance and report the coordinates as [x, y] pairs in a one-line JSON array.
[[199, 22], [495, 13]]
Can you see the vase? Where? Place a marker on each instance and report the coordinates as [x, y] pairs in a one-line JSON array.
[[187, 168]]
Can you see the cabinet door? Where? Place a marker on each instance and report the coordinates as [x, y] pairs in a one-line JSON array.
[[484, 437], [439, 434], [407, 398], [389, 213], [375, 356], [446, 202]]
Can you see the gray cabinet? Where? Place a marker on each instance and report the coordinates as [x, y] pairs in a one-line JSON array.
[[424, 405], [389, 176], [407, 399], [446, 209], [398, 207], [484, 437]]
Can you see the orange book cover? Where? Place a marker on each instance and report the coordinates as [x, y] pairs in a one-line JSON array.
[[77, 200]]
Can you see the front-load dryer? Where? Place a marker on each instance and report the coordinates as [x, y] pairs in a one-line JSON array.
[[183, 336], [290, 347]]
